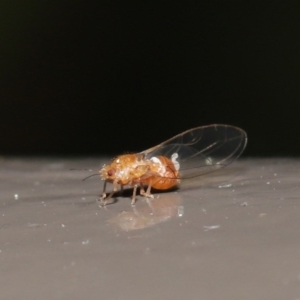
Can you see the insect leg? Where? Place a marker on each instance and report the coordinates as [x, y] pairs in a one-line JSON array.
[[142, 190], [133, 199], [147, 193], [104, 189], [104, 199]]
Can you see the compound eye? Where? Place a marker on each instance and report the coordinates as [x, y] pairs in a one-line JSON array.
[[111, 172]]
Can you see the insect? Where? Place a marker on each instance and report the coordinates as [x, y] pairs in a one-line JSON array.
[[195, 152]]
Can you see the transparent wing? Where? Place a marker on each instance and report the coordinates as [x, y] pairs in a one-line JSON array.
[[202, 150]]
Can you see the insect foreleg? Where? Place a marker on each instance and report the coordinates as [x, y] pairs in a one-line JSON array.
[[104, 189], [104, 199]]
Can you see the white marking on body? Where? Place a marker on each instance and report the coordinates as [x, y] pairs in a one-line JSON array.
[[174, 161], [162, 168], [155, 159]]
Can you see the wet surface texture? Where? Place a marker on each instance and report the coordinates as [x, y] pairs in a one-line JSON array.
[[232, 235]]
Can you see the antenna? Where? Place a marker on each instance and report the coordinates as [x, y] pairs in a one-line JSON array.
[[89, 176]]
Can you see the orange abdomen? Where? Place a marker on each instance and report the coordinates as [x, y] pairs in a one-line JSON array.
[[168, 179]]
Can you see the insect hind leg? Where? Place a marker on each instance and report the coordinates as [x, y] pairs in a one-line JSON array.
[[147, 192]]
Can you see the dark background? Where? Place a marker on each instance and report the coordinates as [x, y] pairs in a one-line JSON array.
[[106, 77]]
